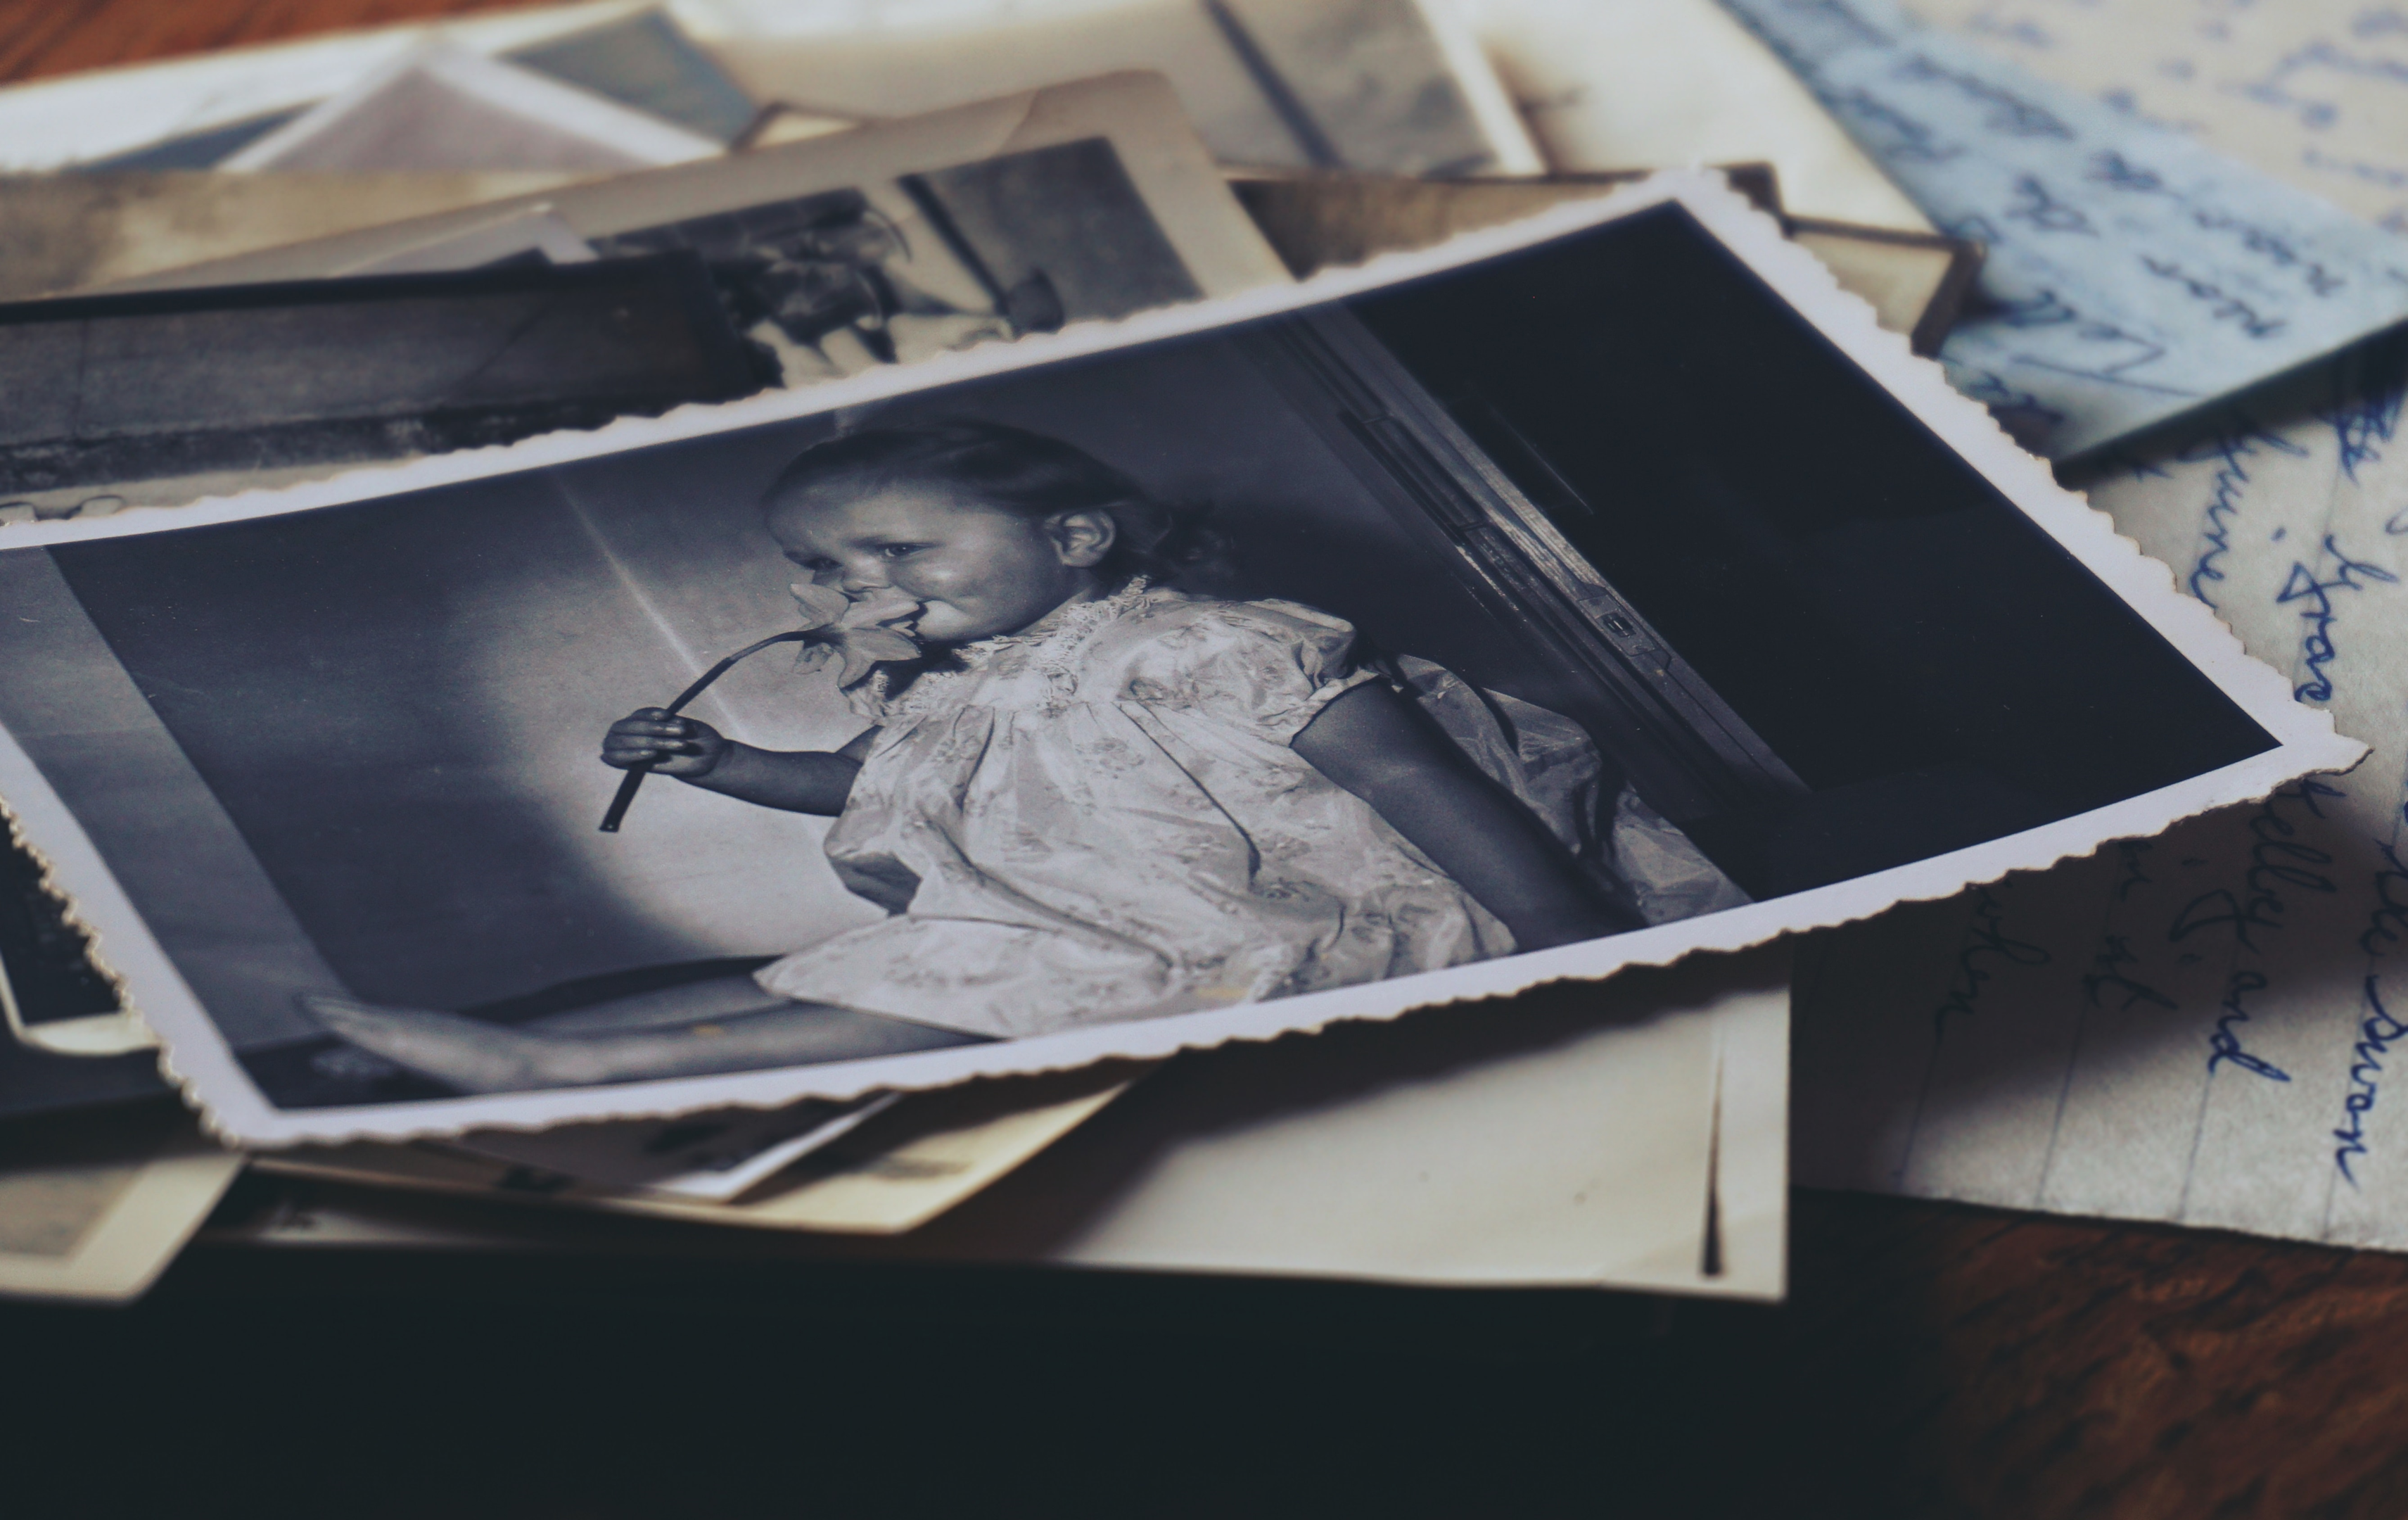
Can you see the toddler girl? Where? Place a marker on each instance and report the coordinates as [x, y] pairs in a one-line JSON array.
[[1094, 797]]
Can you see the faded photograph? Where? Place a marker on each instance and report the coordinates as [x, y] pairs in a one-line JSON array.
[[801, 264], [1554, 598], [128, 400], [1390, 86], [1018, 243]]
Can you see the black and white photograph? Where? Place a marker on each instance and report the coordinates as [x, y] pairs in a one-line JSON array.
[[116, 398], [781, 267], [1484, 622], [1224, 751], [1023, 242], [1095, 185]]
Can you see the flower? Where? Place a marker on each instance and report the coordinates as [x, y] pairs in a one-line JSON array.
[[860, 633]]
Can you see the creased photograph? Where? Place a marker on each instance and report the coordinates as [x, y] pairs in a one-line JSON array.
[[1575, 596]]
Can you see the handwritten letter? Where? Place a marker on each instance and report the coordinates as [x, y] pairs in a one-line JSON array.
[[2133, 275], [2211, 1027], [2312, 91]]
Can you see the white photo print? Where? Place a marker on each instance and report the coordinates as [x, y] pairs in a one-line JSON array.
[[1577, 596]]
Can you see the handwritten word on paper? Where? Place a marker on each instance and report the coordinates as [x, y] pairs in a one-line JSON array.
[[2211, 1027], [2133, 275], [2312, 91]]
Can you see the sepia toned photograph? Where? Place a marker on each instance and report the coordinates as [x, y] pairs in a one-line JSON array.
[[1567, 609], [786, 266]]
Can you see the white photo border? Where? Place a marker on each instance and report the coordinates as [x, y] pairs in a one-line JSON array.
[[197, 1058]]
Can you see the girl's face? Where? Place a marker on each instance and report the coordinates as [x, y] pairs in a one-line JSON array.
[[976, 571]]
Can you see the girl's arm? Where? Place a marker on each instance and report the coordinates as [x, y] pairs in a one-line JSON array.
[[802, 781], [1375, 744]]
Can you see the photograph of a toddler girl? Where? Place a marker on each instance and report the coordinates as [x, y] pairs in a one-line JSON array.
[[1085, 793]]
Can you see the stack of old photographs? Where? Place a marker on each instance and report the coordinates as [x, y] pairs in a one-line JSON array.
[[1191, 635]]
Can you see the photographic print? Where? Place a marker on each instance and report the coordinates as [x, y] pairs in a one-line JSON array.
[[165, 396], [1575, 596], [1100, 187], [94, 1205], [888, 245]]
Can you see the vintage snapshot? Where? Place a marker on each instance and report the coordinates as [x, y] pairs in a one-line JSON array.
[[1916, 282], [160, 397], [60, 233], [445, 108], [1390, 86], [921, 1156], [959, 206], [1571, 596], [812, 262], [715, 1155], [211, 114], [68, 1041], [94, 1205], [821, 259], [1630, 1134]]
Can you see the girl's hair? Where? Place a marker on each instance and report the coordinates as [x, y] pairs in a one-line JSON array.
[[1015, 470]]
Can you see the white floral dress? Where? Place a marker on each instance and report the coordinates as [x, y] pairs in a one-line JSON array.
[[1104, 822]]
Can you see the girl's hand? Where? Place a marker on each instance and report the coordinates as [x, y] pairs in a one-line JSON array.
[[686, 746]]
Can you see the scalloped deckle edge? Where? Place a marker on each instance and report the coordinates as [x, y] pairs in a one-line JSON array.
[[204, 1067], [46, 881]]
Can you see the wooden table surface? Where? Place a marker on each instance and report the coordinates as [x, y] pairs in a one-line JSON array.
[[1932, 1361]]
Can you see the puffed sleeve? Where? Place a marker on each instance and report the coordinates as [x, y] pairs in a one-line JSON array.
[[1265, 668]]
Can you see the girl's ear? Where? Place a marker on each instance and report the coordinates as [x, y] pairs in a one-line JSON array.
[[1082, 539]]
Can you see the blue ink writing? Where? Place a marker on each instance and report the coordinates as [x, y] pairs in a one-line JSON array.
[[2010, 113], [2320, 614], [2376, 1034], [2131, 852], [2225, 1044], [2221, 305], [1911, 139], [2362, 426], [1986, 941], [2044, 211], [2116, 951], [2116, 172], [2230, 447], [2276, 861], [2389, 920]]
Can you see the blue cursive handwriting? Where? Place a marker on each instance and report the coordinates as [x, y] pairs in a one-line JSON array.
[[1985, 938], [2221, 305], [2010, 113], [2376, 1034], [2276, 861], [2019, 412], [2239, 441], [2270, 245], [2130, 853], [2320, 614], [2389, 920], [2225, 1044], [2044, 211], [2363, 423], [2116, 172], [1910, 138], [2116, 951]]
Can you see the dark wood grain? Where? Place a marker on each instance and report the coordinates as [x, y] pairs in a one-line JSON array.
[[1932, 1361], [43, 37], [2008, 1365]]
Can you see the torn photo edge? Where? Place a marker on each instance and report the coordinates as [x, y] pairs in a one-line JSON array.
[[199, 1058]]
